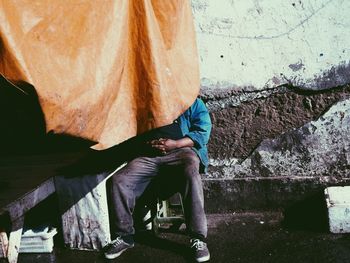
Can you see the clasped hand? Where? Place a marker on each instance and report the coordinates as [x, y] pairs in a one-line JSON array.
[[163, 145]]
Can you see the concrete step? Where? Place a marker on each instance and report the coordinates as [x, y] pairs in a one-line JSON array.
[[265, 193]]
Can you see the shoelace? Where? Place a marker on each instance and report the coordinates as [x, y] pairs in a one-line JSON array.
[[198, 244], [116, 242]]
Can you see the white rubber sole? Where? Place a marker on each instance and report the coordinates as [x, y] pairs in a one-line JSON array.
[[203, 259], [113, 256]]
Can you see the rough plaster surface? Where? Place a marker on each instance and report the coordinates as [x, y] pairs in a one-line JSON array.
[[253, 45], [239, 128], [318, 148]]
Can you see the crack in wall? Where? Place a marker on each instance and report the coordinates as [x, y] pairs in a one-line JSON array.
[[215, 104], [262, 37]]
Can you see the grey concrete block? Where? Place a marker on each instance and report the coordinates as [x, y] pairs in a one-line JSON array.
[[338, 205]]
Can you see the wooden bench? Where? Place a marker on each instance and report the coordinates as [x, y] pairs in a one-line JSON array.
[[25, 181]]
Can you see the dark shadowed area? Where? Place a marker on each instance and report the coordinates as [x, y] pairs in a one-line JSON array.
[[237, 237]]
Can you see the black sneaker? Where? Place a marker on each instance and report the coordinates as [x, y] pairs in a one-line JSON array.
[[200, 250], [116, 248]]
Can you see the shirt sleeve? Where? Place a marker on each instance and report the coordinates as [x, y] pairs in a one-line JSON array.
[[200, 124]]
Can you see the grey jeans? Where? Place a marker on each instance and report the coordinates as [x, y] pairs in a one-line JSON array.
[[178, 170]]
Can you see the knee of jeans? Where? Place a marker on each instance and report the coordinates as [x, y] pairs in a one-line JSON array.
[[191, 167], [120, 181], [191, 160]]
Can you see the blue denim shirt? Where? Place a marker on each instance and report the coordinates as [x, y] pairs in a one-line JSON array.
[[195, 123]]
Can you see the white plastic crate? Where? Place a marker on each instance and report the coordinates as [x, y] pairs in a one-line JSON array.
[[34, 241], [338, 204]]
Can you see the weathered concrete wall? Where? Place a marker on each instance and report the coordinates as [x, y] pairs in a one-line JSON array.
[[275, 76], [239, 130], [318, 148], [285, 168], [258, 44]]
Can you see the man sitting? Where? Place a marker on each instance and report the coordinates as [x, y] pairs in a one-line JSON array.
[[177, 152]]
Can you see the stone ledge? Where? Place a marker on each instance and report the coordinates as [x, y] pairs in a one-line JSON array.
[[261, 194]]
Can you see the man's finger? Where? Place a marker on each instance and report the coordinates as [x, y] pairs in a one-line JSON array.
[[154, 142], [159, 147], [157, 142]]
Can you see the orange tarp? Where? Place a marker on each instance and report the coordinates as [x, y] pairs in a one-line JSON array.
[[104, 70]]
